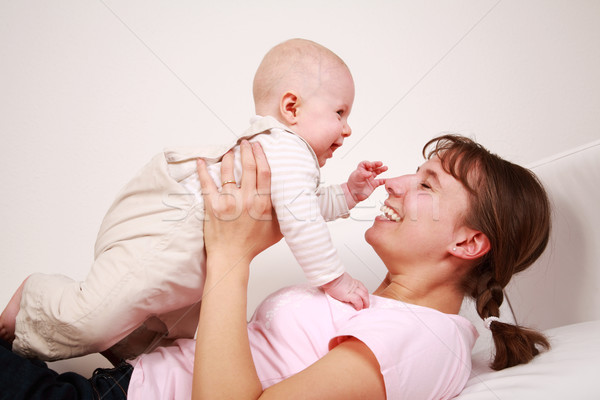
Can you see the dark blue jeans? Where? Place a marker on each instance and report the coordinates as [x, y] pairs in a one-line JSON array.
[[22, 378]]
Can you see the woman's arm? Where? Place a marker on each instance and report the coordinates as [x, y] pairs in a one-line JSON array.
[[223, 366]]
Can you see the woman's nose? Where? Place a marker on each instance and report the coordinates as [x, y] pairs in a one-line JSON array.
[[397, 186]]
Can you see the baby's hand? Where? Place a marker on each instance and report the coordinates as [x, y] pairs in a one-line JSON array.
[[349, 290], [362, 181]]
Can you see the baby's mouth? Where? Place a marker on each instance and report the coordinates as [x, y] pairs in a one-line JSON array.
[[390, 213]]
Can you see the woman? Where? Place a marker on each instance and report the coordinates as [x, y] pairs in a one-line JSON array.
[[462, 225]]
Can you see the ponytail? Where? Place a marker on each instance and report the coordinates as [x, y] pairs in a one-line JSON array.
[[515, 344]]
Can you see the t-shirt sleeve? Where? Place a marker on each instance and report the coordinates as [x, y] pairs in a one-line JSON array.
[[421, 355]]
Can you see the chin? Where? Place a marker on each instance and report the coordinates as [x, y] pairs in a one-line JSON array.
[[378, 232], [370, 235]]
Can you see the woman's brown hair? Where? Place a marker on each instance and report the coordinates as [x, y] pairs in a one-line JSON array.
[[509, 205]]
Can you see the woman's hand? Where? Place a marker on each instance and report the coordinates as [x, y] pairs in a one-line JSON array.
[[239, 221]]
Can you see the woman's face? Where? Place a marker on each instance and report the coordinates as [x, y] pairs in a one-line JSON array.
[[421, 217]]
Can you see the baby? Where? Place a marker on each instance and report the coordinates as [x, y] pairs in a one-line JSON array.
[[146, 283]]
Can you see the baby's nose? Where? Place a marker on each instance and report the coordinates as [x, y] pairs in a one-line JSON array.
[[347, 131]]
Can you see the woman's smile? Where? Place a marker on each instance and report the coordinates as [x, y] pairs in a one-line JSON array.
[[390, 213]]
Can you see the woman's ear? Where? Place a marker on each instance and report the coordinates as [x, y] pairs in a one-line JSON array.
[[288, 107], [471, 245]]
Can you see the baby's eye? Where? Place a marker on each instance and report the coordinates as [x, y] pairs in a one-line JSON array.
[[340, 112]]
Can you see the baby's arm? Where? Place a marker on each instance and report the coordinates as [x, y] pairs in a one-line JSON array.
[[335, 201], [9, 315], [294, 180], [363, 181]]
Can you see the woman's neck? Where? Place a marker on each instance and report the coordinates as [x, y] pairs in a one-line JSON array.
[[444, 297]]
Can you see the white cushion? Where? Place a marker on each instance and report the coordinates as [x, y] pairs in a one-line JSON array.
[[561, 288], [570, 370]]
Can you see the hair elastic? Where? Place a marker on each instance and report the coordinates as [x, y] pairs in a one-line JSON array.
[[488, 321]]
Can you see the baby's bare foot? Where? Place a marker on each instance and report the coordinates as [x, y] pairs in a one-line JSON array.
[[8, 318], [7, 324]]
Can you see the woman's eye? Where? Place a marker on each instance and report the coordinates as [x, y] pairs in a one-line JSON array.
[[425, 185]]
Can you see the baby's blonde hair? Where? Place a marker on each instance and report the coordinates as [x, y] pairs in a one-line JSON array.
[[296, 64]]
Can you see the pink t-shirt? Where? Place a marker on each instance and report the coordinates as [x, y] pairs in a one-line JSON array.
[[423, 353]]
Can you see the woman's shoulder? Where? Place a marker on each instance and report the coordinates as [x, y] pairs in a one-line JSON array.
[[414, 346], [392, 322]]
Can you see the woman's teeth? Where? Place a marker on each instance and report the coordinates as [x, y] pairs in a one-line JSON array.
[[390, 214]]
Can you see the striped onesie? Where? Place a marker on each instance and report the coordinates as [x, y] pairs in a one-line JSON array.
[[147, 279]]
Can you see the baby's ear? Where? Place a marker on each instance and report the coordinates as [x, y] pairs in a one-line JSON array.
[[288, 107]]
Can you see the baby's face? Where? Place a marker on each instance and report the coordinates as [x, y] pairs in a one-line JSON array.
[[322, 118]]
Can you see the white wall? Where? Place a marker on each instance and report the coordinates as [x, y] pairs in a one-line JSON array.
[[89, 91]]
